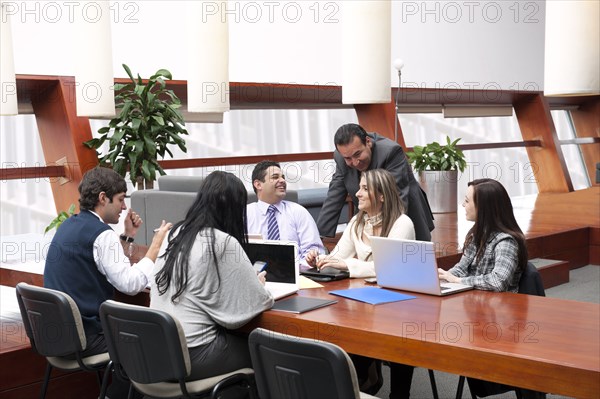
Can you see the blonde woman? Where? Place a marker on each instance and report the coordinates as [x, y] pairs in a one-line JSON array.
[[381, 213]]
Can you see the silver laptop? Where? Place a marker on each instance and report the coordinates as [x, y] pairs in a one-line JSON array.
[[281, 267], [410, 266]]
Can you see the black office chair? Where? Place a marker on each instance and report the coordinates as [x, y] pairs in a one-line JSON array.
[[148, 347], [529, 284], [54, 327], [299, 368]]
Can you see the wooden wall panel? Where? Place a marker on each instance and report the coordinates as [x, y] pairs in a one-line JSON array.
[[535, 121], [27, 367], [595, 245], [535, 247], [25, 374], [577, 257], [594, 256], [567, 240], [10, 278], [587, 124]]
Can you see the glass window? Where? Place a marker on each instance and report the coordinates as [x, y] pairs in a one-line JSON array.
[[27, 205], [510, 166], [565, 130], [420, 129], [256, 132]]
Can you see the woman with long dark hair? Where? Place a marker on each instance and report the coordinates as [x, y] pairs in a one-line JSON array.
[[494, 256], [494, 253], [206, 281]]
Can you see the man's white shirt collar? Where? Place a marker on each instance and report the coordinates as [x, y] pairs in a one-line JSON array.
[[264, 206]]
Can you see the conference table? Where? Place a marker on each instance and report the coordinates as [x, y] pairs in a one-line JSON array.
[[545, 344]]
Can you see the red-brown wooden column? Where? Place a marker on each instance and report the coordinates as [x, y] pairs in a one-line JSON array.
[[587, 124], [547, 161], [379, 118], [62, 134]]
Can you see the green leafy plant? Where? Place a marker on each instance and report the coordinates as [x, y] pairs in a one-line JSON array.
[[149, 121], [435, 156], [61, 217]]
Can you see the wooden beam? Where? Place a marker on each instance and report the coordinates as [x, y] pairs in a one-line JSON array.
[[32, 172], [251, 159], [244, 95], [61, 171], [586, 119], [380, 118], [245, 160], [547, 161], [503, 144], [248, 95], [62, 134]]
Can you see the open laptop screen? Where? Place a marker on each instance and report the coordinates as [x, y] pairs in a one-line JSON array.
[[280, 260], [410, 265]]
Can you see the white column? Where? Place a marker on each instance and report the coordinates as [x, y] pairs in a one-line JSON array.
[[572, 59], [366, 52], [8, 91], [94, 76], [208, 56]]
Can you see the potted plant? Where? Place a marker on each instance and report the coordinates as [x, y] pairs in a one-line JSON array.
[[149, 121], [60, 218], [438, 167]]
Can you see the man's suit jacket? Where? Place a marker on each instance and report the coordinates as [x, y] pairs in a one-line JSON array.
[[388, 155]]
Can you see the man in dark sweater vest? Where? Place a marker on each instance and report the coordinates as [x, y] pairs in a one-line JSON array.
[[86, 258]]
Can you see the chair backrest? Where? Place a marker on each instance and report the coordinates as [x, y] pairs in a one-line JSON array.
[[147, 344], [171, 203], [51, 319], [189, 184], [300, 368], [531, 281]]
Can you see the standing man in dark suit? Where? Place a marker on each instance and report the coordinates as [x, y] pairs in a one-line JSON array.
[[357, 151]]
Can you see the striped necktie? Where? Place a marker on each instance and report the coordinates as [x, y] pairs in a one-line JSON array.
[[272, 227]]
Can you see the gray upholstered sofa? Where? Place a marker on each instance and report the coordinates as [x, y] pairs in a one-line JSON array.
[[175, 194]]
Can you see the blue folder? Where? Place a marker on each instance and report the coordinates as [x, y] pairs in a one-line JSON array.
[[372, 295]]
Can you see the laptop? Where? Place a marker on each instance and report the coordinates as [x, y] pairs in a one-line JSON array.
[[410, 265], [282, 270]]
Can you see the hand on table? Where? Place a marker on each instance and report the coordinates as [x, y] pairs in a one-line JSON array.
[[331, 261], [449, 277], [311, 258]]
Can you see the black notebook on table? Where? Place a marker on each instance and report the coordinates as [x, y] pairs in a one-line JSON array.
[[300, 304], [325, 274]]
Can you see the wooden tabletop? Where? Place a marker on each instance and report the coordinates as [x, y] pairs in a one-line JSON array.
[[546, 344]]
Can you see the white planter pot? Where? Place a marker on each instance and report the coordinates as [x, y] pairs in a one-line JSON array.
[[440, 187]]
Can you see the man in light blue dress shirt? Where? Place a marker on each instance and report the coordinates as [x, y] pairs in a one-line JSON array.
[[293, 221]]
